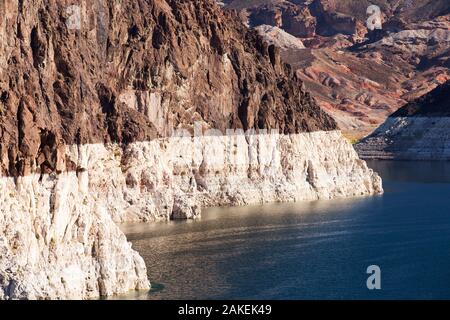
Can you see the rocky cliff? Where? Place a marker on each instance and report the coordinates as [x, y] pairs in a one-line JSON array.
[[417, 131], [132, 72], [142, 111]]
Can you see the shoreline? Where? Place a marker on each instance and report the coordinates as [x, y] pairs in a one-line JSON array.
[[61, 237]]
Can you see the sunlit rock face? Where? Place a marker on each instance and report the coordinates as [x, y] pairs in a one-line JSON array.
[[176, 177], [93, 103], [58, 242], [57, 235], [127, 71]]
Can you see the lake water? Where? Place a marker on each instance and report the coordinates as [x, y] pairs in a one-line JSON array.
[[315, 250]]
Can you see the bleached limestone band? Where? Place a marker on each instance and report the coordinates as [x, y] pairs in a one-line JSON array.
[[57, 235], [409, 138], [176, 177]]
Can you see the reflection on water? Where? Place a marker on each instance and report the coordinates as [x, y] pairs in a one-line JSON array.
[[310, 250]]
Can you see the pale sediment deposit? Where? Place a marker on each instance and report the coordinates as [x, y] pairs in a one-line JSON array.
[[176, 177], [417, 131], [409, 138], [57, 235]]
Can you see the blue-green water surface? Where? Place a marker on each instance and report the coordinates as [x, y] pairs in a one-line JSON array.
[[314, 250]]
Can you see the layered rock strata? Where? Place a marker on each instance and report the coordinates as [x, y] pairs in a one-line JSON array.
[[133, 71], [90, 93], [418, 131]]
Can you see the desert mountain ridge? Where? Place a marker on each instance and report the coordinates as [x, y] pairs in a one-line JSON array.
[[357, 75]]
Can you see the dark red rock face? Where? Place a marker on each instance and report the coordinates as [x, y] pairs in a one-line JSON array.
[[134, 70], [294, 19]]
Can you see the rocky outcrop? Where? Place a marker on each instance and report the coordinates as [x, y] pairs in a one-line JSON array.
[[331, 21], [294, 19], [132, 72], [418, 131], [280, 38], [176, 177], [58, 242], [92, 100], [330, 17], [57, 235]]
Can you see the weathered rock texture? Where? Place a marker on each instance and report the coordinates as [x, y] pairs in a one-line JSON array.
[[293, 19], [58, 242], [86, 112], [57, 237], [132, 72], [357, 76], [418, 131], [176, 177]]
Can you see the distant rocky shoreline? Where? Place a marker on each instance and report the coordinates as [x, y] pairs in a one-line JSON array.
[[417, 131]]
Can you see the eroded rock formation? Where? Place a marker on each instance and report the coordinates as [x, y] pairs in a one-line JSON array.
[[91, 94], [132, 72]]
